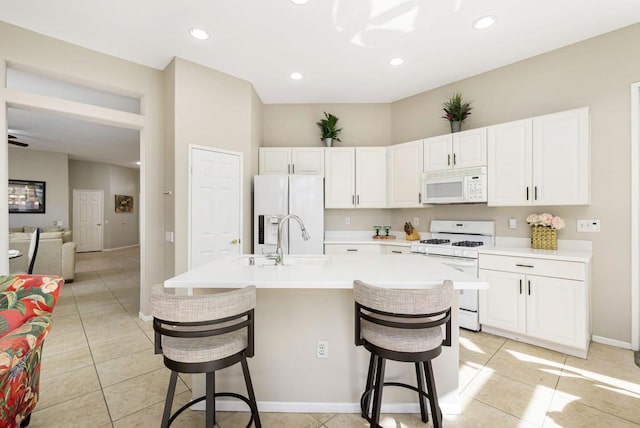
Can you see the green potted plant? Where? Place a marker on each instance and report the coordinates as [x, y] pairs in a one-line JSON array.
[[329, 130], [456, 111]]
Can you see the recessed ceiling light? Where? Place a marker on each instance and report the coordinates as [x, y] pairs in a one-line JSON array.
[[396, 61], [296, 76], [300, 2], [484, 22], [199, 33]]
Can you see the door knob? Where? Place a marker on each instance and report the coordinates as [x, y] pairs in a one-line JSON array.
[[99, 224], [234, 242]]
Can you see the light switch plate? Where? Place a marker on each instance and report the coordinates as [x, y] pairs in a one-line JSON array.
[[513, 224], [592, 225]]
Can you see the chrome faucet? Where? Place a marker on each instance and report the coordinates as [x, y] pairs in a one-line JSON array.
[[278, 256]]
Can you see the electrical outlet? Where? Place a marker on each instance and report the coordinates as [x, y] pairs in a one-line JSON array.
[[347, 220], [588, 225], [322, 349], [513, 224], [416, 221], [168, 236]]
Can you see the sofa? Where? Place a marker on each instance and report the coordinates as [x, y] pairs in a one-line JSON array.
[[26, 306], [56, 252]]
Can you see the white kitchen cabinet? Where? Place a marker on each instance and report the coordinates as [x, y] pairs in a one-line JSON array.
[[540, 161], [394, 249], [540, 301], [352, 249], [458, 150], [405, 174], [355, 177], [291, 160]]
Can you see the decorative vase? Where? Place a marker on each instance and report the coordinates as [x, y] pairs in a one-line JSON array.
[[328, 142], [544, 238], [456, 126]]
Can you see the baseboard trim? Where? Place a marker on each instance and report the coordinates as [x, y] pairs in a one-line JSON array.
[[301, 407], [611, 342], [144, 317], [120, 248]]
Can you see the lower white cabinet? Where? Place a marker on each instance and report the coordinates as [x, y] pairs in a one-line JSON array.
[[352, 249], [540, 301]]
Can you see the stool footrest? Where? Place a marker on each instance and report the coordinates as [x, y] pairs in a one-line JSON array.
[[365, 394], [218, 394]]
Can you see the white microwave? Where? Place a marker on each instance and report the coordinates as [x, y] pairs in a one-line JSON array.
[[455, 186]]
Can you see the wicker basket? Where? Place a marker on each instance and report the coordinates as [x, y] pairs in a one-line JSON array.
[[544, 238]]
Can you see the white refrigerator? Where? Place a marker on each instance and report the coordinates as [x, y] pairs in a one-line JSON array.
[[275, 196]]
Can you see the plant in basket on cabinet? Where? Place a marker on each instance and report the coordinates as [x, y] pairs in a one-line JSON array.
[[544, 230]]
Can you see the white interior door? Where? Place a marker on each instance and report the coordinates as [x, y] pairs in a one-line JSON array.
[[88, 215], [215, 205]]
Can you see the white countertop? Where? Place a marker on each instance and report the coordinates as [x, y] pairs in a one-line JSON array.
[[582, 256], [325, 272]]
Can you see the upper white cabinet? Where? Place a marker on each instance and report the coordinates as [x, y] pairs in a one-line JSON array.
[[459, 150], [405, 174], [540, 161], [355, 177], [291, 160]]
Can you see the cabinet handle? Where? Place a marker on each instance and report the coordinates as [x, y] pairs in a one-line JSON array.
[[535, 193], [527, 193], [293, 168], [353, 199], [527, 266], [352, 249], [448, 160], [358, 200], [288, 168], [529, 283], [520, 286], [396, 252], [454, 159], [419, 198]]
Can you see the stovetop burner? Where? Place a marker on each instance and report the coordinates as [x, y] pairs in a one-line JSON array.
[[435, 241], [467, 244]]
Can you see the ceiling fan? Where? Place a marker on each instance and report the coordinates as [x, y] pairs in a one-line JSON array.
[[12, 139]]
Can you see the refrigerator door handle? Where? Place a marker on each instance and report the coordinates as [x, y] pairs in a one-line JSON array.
[[288, 168], [293, 168]]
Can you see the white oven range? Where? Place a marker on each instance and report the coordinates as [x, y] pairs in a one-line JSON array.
[[455, 244]]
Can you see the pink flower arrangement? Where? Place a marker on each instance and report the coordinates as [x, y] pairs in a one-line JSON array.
[[546, 219]]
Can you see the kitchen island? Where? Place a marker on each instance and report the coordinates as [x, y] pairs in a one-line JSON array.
[[310, 298]]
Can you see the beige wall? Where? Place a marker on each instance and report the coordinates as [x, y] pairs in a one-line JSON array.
[[290, 125], [50, 168], [216, 110], [79, 65], [120, 229]]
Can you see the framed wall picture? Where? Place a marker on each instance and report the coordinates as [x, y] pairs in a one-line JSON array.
[[124, 204], [27, 196]]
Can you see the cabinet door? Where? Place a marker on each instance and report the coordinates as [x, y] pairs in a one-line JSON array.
[[509, 164], [339, 183], [274, 160], [561, 158], [437, 153], [470, 148], [556, 310], [503, 304], [371, 177], [405, 175], [352, 249], [307, 160]]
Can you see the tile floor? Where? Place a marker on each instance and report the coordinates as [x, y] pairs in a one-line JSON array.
[[99, 370]]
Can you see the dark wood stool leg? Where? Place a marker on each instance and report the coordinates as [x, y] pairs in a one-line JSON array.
[[25, 421], [250, 393], [370, 380], [436, 414], [169, 401], [210, 399], [377, 396], [421, 397]]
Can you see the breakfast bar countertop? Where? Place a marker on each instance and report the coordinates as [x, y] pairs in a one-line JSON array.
[[323, 272]]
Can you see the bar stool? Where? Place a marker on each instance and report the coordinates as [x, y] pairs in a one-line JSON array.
[[202, 334], [402, 325]]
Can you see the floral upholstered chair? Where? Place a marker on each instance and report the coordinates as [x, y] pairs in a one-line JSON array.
[[26, 305]]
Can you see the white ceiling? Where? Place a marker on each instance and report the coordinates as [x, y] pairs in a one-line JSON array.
[[341, 46]]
